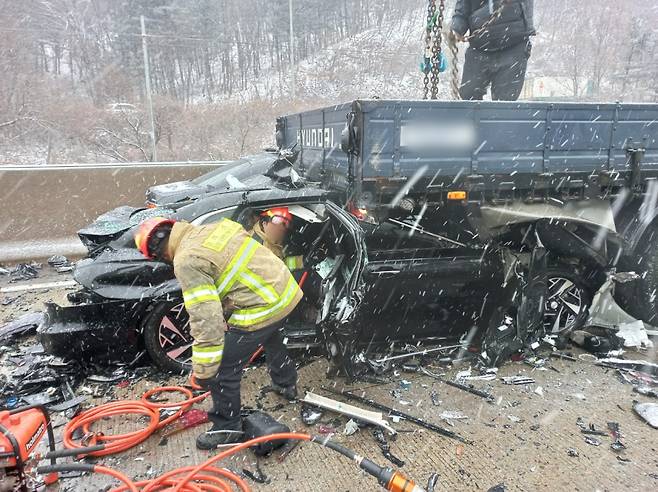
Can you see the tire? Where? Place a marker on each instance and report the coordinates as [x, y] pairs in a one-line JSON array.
[[568, 301], [167, 329], [167, 337], [640, 298]]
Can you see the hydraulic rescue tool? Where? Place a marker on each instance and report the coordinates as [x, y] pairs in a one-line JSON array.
[[21, 431]]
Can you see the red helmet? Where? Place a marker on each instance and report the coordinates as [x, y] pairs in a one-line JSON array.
[[146, 231], [278, 215]]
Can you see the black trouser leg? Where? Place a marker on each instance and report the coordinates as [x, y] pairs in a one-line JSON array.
[[281, 366], [239, 345], [476, 77], [511, 65]]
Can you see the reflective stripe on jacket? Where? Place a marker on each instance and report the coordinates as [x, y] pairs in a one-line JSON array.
[[221, 264]]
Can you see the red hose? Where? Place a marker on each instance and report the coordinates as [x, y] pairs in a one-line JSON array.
[[202, 478], [303, 279], [113, 443], [235, 449], [116, 443], [208, 478]]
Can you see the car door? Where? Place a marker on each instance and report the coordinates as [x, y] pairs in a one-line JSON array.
[[416, 286], [346, 303]]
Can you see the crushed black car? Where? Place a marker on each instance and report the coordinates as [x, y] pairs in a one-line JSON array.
[[379, 282]]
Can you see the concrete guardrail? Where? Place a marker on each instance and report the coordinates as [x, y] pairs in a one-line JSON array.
[[43, 206]]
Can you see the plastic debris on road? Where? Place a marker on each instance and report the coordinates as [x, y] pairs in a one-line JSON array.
[[648, 412]]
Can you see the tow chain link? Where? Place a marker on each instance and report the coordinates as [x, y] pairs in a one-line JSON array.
[[431, 9], [432, 61], [437, 29]]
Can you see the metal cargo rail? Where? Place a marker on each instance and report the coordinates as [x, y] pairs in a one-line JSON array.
[[481, 146]]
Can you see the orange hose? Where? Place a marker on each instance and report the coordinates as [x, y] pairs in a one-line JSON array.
[[113, 443], [205, 477], [206, 482], [235, 449], [117, 443], [256, 354], [118, 475]]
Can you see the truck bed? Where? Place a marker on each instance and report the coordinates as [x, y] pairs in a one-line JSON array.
[[379, 145]]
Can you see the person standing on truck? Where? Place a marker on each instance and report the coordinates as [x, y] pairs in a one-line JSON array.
[[499, 35], [271, 230], [221, 264]]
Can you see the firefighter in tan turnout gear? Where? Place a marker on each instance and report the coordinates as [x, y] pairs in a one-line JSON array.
[[222, 265]]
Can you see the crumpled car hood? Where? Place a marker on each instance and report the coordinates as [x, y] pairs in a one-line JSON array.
[[126, 274], [111, 225]]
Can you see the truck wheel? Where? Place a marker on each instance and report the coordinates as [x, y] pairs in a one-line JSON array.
[[568, 302], [167, 337]]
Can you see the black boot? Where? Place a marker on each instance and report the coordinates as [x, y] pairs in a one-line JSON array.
[[288, 392], [217, 437]]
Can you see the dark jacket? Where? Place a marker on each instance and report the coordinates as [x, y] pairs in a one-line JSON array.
[[514, 26]]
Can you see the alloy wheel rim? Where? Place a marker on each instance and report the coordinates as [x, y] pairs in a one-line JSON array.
[[174, 335], [564, 304]]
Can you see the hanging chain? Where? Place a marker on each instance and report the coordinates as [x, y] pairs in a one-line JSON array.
[[454, 67], [431, 10], [437, 29], [494, 17]]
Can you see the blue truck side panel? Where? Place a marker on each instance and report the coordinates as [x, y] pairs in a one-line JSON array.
[[446, 139], [317, 135]]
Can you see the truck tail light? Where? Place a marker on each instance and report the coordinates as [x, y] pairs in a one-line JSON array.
[[456, 195]]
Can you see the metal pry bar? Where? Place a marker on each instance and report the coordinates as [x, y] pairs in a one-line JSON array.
[[405, 416], [374, 418]]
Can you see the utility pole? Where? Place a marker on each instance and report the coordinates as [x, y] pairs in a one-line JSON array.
[[292, 52], [147, 84]]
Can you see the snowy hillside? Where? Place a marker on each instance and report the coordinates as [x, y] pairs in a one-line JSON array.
[[383, 61]]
